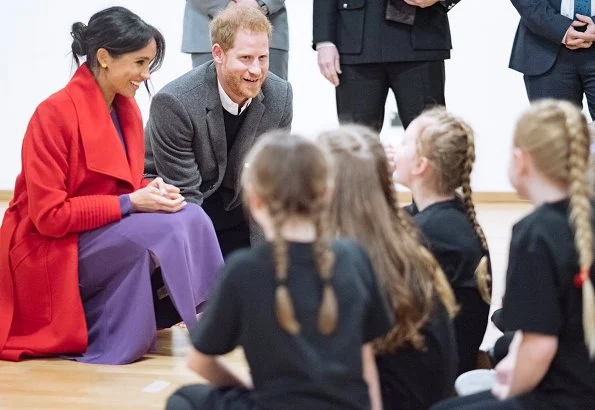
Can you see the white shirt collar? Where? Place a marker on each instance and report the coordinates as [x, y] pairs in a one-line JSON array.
[[228, 104]]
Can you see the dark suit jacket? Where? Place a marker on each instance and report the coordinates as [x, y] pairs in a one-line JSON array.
[[539, 35], [185, 136], [362, 34]]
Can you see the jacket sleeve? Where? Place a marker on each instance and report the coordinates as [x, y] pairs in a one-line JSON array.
[[45, 159], [288, 110], [274, 5], [170, 133], [208, 7], [324, 21], [542, 19]]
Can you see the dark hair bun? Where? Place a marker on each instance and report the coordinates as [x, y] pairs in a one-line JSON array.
[[79, 43]]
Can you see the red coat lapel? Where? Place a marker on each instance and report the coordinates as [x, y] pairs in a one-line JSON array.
[[132, 129], [104, 152]]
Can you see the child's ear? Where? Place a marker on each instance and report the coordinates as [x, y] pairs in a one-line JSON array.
[[255, 202], [522, 161], [420, 166]]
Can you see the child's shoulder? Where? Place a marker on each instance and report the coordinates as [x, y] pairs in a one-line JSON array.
[[545, 217], [244, 262], [549, 221], [349, 248], [352, 259], [443, 221]]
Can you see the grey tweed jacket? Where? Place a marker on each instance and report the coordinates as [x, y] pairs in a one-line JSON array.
[[185, 140], [199, 13]]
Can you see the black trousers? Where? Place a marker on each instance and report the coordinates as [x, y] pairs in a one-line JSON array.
[[571, 77], [231, 227], [361, 94], [233, 238]]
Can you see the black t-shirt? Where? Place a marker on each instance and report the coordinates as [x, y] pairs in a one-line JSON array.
[[310, 370], [541, 298], [412, 379], [449, 235]]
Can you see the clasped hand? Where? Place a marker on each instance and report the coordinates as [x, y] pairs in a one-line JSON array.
[[157, 197], [576, 39]]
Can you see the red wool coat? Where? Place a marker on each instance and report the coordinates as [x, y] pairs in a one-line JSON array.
[[73, 169]]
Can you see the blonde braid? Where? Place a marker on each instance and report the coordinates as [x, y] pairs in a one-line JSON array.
[[283, 303], [482, 274], [325, 258], [580, 216]]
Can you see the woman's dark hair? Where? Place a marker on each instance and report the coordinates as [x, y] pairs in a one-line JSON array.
[[119, 31]]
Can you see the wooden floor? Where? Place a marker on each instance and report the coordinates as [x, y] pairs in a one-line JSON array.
[[58, 384]]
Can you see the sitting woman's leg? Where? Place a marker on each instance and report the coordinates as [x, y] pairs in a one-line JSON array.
[[115, 268]]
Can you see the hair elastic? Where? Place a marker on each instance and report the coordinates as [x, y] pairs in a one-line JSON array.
[[581, 277]]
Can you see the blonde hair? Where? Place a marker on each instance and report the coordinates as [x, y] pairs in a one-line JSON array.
[[556, 136], [364, 207], [231, 20], [448, 144], [292, 176]]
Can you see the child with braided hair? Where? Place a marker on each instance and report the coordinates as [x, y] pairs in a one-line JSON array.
[[549, 299], [435, 160], [417, 358], [303, 307]]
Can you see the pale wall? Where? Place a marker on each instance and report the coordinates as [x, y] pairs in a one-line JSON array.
[[480, 87]]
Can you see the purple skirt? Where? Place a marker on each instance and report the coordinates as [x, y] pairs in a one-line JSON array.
[[115, 267]]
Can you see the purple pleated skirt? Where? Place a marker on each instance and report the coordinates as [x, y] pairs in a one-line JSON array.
[[115, 267]]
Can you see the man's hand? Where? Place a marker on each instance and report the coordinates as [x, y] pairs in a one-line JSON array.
[[329, 63], [576, 39], [421, 3]]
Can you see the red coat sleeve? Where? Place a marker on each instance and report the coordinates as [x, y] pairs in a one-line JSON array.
[[46, 165]]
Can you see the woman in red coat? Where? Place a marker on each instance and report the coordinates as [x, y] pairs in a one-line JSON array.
[[92, 257]]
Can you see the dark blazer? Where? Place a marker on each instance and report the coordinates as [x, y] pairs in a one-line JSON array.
[[539, 35], [362, 34], [185, 139]]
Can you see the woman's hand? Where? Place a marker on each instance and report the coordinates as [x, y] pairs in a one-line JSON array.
[[166, 190], [157, 197]]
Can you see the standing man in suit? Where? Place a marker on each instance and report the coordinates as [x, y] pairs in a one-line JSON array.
[[550, 48], [203, 123], [199, 13], [366, 47]]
